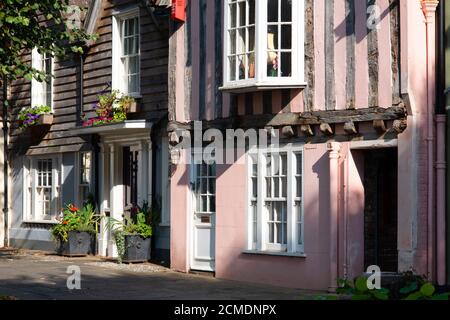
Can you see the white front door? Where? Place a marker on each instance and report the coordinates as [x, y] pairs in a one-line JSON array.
[[204, 217]]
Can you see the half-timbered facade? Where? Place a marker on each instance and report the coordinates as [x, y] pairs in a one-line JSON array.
[[117, 165], [349, 86]]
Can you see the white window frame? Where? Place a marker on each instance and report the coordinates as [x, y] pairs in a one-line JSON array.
[[262, 245], [118, 68], [38, 89], [261, 80], [29, 189], [78, 183]]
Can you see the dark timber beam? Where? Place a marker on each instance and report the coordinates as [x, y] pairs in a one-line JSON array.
[[330, 117]]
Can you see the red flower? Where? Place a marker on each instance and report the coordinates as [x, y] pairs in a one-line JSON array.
[[65, 222], [73, 209]]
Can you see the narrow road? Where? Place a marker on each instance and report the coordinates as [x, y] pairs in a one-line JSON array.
[[34, 275]]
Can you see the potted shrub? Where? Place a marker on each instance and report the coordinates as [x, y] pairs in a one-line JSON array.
[[76, 231], [133, 235], [35, 116]]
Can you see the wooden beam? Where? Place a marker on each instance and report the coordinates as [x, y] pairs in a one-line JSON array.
[[295, 119]]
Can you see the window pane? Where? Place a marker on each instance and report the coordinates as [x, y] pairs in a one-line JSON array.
[[241, 41], [133, 65], [251, 9], [298, 160], [233, 15], [298, 184], [136, 45], [276, 165], [276, 187], [286, 64], [204, 207], [286, 10], [254, 187], [272, 10], [279, 233], [204, 187], [251, 39], [242, 63], [212, 186], [284, 187], [212, 170], [232, 68], [271, 233], [286, 37], [251, 66], [212, 204], [133, 86], [233, 42], [272, 37], [242, 14], [268, 187], [284, 164]]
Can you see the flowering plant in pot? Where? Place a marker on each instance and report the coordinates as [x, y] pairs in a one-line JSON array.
[[76, 230], [133, 234], [111, 108], [32, 116]]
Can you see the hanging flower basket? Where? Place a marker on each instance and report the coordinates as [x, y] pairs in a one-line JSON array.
[[35, 116]]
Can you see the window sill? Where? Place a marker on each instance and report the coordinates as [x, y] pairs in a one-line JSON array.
[[255, 87], [40, 222], [274, 253]]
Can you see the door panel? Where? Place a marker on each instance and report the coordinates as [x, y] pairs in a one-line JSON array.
[[204, 218]]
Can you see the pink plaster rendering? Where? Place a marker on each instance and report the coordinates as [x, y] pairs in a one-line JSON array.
[[297, 104], [385, 59], [361, 61], [319, 54], [179, 191], [340, 50]]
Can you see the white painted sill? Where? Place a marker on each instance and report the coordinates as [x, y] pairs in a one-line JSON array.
[[274, 253], [260, 86], [40, 222]]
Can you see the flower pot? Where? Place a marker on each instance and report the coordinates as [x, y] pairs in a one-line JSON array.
[[79, 244], [133, 107], [137, 249], [45, 119]]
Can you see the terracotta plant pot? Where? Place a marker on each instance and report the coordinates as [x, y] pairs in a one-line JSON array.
[[45, 119], [133, 107]]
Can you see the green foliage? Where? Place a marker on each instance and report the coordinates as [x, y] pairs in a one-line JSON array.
[[21, 30], [358, 290], [142, 224], [414, 288], [29, 116], [74, 219]]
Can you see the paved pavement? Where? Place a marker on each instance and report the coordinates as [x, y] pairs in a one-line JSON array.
[[35, 275]]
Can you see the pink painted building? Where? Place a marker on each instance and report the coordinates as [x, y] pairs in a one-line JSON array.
[[350, 86]]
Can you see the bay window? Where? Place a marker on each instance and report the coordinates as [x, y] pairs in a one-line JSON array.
[[275, 215], [41, 189], [263, 44]]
